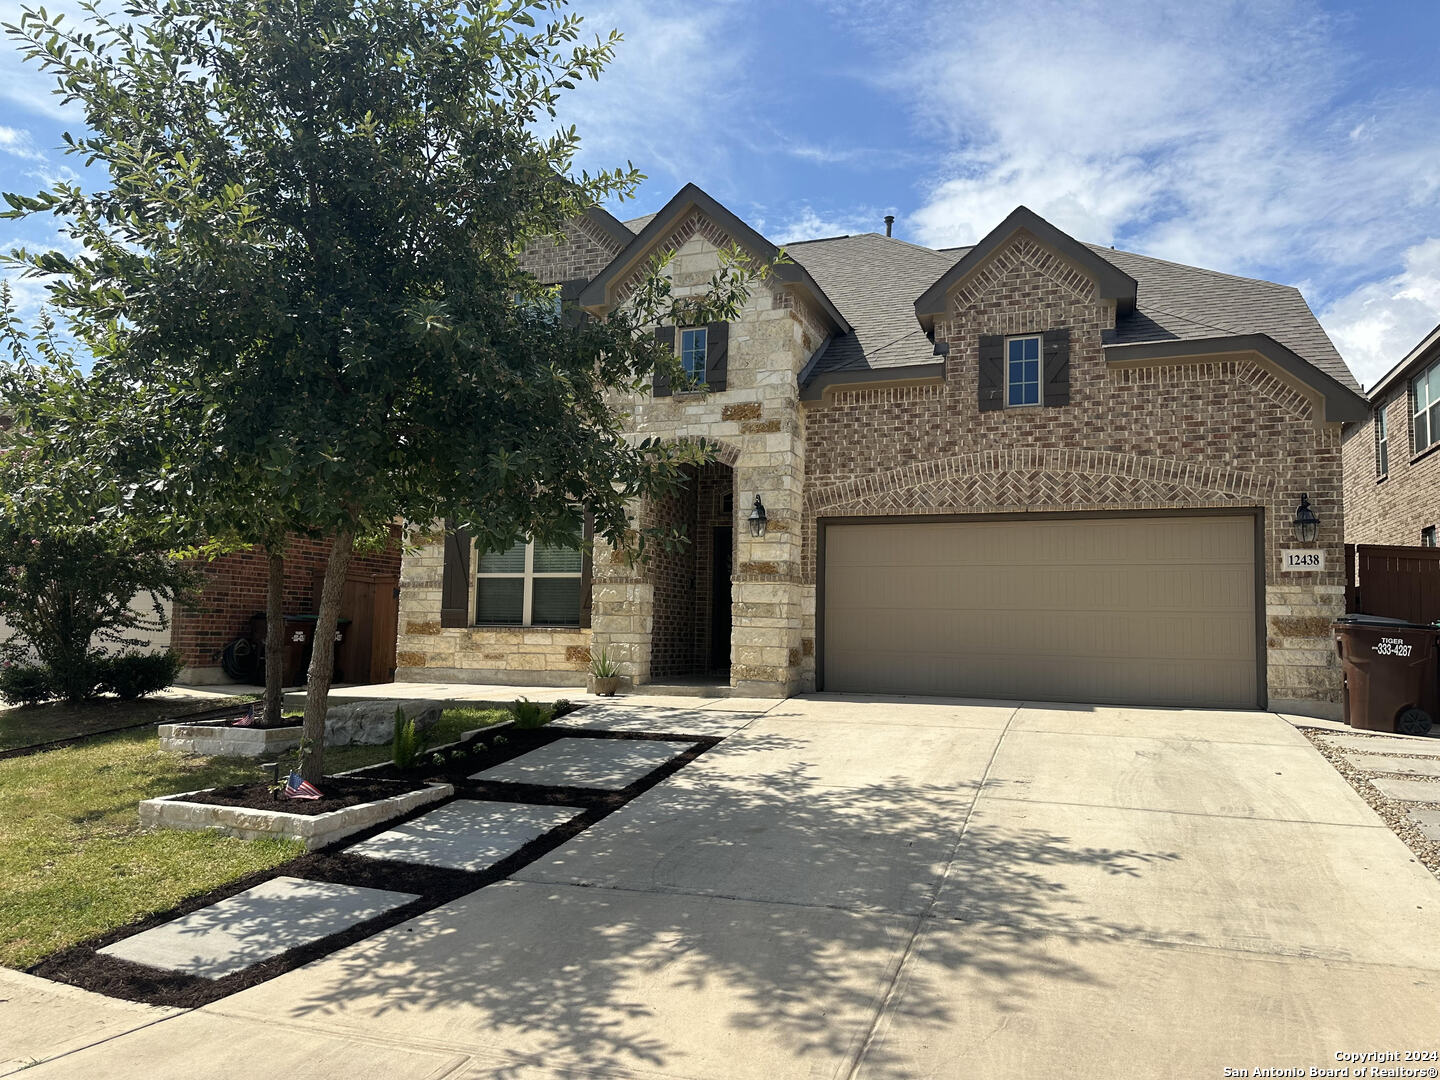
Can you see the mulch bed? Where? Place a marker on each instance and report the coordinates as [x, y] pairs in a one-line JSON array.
[[81, 965], [339, 792]]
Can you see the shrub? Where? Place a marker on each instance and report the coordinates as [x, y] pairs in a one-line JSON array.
[[602, 667], [409, 742], [25, 684], [561, 707], [530, 715], [133, 675]]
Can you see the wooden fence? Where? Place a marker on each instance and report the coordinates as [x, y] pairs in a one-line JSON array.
[[1401, 582]]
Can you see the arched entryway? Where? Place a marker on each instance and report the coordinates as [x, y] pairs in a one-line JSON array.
[[691, 629]]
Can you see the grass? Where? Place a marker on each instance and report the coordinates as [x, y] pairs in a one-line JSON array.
[[74, 861], [32, 724]]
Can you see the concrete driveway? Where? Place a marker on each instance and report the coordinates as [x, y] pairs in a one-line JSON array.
[[854, 888]]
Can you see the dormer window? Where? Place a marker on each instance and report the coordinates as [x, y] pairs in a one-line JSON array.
[[692, 352], [1022, 371]]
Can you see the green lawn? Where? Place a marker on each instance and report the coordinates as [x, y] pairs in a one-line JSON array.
[[74, 861], [34, 724]]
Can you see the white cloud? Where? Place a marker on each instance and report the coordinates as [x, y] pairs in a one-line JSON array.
[[1232, 135], [18, 143], [810, 224], [670, 100], [1376, 325]]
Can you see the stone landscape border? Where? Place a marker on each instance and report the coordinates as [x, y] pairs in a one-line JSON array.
[[316, 830], [219, 738]]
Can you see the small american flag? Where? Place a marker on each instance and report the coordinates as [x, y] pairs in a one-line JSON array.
[[295, 788], [245, 719]]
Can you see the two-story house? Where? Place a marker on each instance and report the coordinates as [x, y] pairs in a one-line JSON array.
[[1028, 469], [1392, 468]]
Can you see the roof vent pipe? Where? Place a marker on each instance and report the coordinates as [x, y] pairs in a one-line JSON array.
[[889, 223]]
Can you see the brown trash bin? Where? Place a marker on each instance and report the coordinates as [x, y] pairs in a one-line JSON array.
[[1390, 673], [295, 646]]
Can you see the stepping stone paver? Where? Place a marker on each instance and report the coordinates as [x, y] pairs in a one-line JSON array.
[[466, 834], [1428, 822], [659, 721], [1382, 745], [1384, 763], [272, 918], [607, 764], [1407, 790]]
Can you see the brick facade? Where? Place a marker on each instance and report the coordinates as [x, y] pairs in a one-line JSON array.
[[1392, 509], [1192, 434], [233, 589]]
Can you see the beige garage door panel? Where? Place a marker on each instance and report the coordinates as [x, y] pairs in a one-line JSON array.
[[1125, 610]]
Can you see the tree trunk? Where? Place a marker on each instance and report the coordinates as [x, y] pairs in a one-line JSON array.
[[275, 635], [322, 659]]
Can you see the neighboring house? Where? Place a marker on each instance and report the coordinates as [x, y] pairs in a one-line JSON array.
[[233, 590], [1392, 467], [1032, 468]]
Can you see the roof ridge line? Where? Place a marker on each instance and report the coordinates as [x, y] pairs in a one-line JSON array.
[[1190, 266]]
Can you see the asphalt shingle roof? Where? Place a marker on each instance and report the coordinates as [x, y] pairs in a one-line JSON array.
[[874, 281]]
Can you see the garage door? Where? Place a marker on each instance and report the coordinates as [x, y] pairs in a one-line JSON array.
[[1125, 610]]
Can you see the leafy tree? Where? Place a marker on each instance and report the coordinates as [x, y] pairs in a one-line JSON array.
[[309, 242], [74, 585]]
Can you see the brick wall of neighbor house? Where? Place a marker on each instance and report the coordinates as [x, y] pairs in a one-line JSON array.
[[1223, 432], [233, 589], [1392, 510]]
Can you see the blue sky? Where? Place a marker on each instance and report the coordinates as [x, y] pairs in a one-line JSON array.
[[1293, 140]]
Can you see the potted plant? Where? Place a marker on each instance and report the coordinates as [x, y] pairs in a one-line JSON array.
[[604, 674]]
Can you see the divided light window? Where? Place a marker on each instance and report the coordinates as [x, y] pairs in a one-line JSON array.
[[1425, 394], [528, 585], [692, 352], [1382, 443], [1022, 371]]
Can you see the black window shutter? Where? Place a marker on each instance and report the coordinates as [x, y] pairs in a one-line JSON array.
[[587, 568], [1057, 366], [992, 372], [570, 313], [666, 336], [455, 582], [717, 354]]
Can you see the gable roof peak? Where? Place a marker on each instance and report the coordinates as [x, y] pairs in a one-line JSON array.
[[1113, 283], [691, 197]]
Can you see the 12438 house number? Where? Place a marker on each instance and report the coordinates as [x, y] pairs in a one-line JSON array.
[[1302, 560]]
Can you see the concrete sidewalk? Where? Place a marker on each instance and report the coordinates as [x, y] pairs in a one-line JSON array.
[[852, 888]]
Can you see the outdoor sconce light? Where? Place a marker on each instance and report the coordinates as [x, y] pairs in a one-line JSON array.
[[758, 519], [1307, 525]]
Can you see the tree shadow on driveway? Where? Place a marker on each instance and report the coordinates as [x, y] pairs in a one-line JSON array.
[[727, 928]]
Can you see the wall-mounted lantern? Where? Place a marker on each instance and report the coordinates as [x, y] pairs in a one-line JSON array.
[[759, 520], [1307, 525]]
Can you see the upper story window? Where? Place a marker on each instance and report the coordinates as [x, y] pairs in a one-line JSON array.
[[693, 347], [1427, 536], [528, 585], [1022, 371], [1382, 443], [1425, 397]]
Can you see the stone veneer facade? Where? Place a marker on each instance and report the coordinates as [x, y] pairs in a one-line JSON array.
[[1204, 432]]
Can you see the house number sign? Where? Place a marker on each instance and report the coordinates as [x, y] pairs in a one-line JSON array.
[[1302, 560]]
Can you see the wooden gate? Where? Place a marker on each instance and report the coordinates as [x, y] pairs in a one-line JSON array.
[[1401, 582], [372, 604]]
